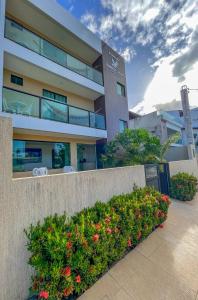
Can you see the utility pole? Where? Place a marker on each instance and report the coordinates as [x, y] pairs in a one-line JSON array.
[[189, 138]]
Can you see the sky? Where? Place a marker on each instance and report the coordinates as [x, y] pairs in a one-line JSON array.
[[158, 40]]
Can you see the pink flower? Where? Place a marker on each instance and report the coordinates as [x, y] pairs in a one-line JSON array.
[[44, 295]]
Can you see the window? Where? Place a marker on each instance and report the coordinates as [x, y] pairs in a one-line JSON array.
[[54, 96], [28, 155], [16, 80], [122, 125], [120, 89]]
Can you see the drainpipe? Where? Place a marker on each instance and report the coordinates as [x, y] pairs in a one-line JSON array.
[[189, 138]]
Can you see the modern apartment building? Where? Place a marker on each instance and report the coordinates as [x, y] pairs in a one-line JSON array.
[[64, 88]]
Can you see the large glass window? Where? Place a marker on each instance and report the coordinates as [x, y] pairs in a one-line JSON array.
[[122, 125], [28, 155], [120, 89], [54, 96]]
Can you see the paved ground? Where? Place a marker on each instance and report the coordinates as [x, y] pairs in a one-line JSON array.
[[164, 266]]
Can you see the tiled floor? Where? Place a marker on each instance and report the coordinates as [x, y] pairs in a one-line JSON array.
[[164, 266]]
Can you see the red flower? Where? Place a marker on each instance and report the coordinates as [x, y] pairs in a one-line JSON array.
[[68, 291], [139, 235], [107, 220], [69, 234], [68, 245], [78, 279], [165, 198], [44, 295], [129, 243], [95, 237], [98, 226], [67, 271], [161, 226], [109, 230]]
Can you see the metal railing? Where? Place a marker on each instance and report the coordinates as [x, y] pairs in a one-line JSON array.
[[19, 34], [23, 103]]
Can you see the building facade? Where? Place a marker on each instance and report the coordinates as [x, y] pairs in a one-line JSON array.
[[64, 88]]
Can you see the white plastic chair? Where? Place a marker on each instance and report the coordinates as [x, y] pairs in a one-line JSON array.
[[69, 169], [40, 171]]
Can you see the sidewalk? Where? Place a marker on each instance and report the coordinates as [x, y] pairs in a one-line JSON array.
[[164, 266]]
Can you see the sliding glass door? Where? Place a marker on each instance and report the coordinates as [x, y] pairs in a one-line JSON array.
[[28, 155], [86, 155]]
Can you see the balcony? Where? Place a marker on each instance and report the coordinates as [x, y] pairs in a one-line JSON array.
[[24, 37], [22, 103]]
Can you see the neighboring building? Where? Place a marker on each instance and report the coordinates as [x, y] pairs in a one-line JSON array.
[[64, 89], [194, 116], [162, 125]]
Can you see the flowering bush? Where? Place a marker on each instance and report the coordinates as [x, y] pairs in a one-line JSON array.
[[70, 254], [183, 186]]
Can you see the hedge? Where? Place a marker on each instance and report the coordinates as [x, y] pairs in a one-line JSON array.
[[69, 254], [183, 186]]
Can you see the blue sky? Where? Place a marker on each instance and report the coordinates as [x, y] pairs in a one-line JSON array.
[[157, 38]]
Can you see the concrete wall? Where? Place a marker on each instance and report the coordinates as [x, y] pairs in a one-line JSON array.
[[177, 153], [188, 166], [27, 200]]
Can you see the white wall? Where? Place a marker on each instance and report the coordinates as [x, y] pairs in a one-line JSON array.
[[188, 166]]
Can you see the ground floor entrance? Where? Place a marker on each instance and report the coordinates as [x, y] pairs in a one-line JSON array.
[[86, 155], [53, 155]]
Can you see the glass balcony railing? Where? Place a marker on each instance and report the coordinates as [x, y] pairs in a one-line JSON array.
[[30, 40], [40, 107]]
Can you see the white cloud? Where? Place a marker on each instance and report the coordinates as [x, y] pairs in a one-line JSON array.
[[164, 87], [128, 54], [90, 21], [167, 28]]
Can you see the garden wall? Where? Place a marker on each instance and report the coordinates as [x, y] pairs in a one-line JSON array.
[[27, 200], [188, 166]]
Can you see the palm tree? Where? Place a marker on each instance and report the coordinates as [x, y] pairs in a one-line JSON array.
[[166, 145]]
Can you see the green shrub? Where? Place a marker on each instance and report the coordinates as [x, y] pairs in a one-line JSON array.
[[183, 186], [70, 254]]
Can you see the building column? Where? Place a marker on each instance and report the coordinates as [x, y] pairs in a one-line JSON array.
[[73, 150], [2, 22], [187, 122]]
